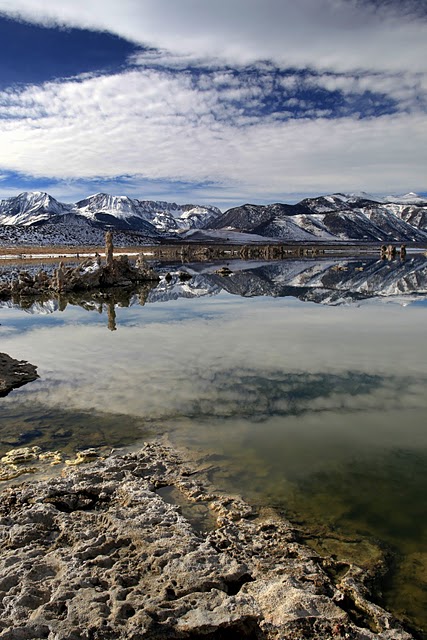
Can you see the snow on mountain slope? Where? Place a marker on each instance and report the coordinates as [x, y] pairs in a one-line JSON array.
[[407, 198], [326, 218], [121, 207], [73, 231], [314, 225], [284, 227], [118, 212], [244, 218], [165, 216], [196, 217], [339, 216], [102, 209], [415, 215], [31, 207]]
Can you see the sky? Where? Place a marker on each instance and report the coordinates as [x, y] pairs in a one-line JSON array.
[[218, 103]]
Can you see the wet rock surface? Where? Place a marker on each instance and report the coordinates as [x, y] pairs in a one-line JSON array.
[[15, 373], [99, 553]]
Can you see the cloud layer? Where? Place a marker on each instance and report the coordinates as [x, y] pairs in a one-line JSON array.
[[338, 34], [260, 100]]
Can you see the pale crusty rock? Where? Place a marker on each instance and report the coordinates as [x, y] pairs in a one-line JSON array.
[[24, 460], [99, 554]]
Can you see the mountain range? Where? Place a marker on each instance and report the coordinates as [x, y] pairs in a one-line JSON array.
[[37, 216]]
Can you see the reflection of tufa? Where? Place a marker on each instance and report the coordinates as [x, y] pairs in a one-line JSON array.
[[109, 249], [111, 311], [389, 252]]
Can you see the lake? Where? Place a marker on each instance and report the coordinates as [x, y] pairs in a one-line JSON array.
[[302, 384]]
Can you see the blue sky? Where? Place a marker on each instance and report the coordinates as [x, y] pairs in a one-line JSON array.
[[221, 103]]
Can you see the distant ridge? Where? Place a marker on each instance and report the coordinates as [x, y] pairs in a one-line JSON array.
[[333, 217]]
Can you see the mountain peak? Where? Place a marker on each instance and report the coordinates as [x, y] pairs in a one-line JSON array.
[[406, 198]]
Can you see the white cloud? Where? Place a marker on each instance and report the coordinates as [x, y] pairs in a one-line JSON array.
[[327, 34], [158, 126], [408, 90]]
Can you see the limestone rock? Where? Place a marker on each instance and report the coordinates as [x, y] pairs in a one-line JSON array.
[[98, 554]]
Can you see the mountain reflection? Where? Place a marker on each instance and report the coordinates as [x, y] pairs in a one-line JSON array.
[[329, 282]]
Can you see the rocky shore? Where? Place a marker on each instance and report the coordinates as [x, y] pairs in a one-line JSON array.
[[15, 373], [139, 546], [91, 274]]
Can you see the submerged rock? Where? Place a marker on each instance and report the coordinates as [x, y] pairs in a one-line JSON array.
[[99, 554], [16, 462]]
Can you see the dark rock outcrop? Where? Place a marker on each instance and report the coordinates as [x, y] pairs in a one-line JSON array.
[[15, 373]]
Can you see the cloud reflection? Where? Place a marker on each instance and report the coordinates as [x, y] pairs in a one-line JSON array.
[[251, 358]]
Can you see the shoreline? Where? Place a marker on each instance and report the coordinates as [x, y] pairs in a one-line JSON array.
[[202, 251], [140, 545]]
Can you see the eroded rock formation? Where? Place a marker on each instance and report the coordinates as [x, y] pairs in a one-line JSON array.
[[99, 554], [88, 275]]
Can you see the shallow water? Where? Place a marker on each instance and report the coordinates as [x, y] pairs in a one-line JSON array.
[[317, 409]]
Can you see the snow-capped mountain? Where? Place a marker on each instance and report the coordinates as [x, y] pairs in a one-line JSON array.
[[31, 207], [407, 198], [134, 213], [333, 217], [119, 212], [344, 217], [104, 210]]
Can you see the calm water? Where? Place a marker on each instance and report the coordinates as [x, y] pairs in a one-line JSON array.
[[303, 384]]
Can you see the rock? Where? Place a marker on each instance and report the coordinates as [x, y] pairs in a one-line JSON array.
[[88, 455], [19, 456], [54, 457], [15, 373], [15, 462], [99, 554]]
